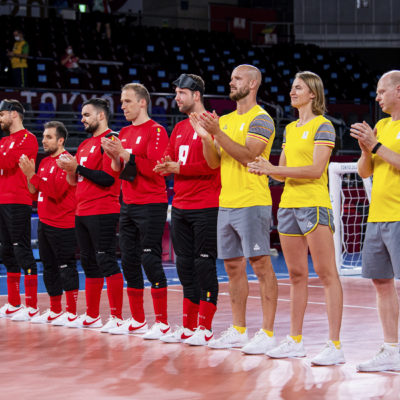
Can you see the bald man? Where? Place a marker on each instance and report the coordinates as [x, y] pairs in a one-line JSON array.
[[244, 217], [380, 156]]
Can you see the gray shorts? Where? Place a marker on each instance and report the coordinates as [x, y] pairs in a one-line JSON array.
[[243, 232], [302, 221], [381, 251]]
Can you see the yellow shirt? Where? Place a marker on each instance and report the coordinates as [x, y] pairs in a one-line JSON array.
[[20, 47], [298, 146], [240, 188], [385, 195]]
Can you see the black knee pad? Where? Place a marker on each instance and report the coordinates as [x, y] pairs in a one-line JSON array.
[[207, 275], [133, 275], [154, 270], [24, 257], [107, 262], [192, 293], [52, 280], [186, 270], [69, 277], [90, 267]]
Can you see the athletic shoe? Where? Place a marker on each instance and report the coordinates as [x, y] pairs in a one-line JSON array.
[[180, 334], [7, 311], [113, 322], [260, 343], [330, 355], [130, 326], [287, 348], [158, 330], [64, 319], [387, 359], [46, 318], [201, 337], [25, 314], [85, 322], [230, 338]]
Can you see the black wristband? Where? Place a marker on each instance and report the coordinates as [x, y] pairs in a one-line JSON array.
[[376, 147]]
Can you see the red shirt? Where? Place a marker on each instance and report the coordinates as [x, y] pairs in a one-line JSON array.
[[147, 142], [93, 199], [56, 198], [13, 184], [197, 185]]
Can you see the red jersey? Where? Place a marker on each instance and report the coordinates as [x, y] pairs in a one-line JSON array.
[[197, 185], [55, 197], [13, 183], [147, 142], [93, 199]]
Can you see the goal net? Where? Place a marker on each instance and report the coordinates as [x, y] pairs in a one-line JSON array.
[[350, 196]]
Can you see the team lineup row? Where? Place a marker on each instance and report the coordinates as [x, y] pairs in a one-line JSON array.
[[221, 207]]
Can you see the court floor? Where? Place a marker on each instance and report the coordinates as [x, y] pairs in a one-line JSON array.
[[47, 362]]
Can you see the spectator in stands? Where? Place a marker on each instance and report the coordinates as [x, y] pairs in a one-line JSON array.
[[19, 59], [380, 148], [305, 220], [71, 62], [102, 11]]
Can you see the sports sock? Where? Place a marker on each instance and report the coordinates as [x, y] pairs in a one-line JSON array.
[[55, 304], [269, 333], [240, 329], [206, 314], [297, 338], [93, 289], [392, 344], [31, 291], [337, 344], [71, 300], [13, 281], [115, 287], [190, 314], [160, 304], [135, 297]]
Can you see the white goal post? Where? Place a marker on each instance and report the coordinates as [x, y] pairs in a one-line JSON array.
[[350, 196]]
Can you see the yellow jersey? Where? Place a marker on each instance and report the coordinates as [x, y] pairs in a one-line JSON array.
[[20, 47], [240, 188], [298, 145], [385, 195]]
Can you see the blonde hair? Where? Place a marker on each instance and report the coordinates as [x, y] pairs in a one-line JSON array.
[[314, 83], [140, 91]]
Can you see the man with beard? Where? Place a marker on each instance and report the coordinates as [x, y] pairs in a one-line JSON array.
[[245, 203], [143, 211], [97, 212], [56, 230], [15, 212], [194, 217]]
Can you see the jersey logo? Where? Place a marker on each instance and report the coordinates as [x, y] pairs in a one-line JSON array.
[[123, 140], [195, 135], [305, 135], [138, 140], [242, 126], [310, 224], [44, 178], [92, 149], [256, 247], [179, 136], [398, 136], [225, 126]]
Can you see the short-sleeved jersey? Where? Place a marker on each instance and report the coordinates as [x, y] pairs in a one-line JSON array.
[[240, 188], [55, 197], [13, 184], [20, 47], [93, 199], [298, 145], [197, 186], [147, 142], [385, 195]]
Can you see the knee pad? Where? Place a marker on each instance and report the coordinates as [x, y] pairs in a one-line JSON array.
[[52, 281], [186, 270], [192, 293], [133, 275], [154, 270], [25, 258], [207, 276], [107, 262], [90, 267], [69, 277]]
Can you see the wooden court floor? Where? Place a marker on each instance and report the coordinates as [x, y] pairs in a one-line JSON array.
[[47, 362]]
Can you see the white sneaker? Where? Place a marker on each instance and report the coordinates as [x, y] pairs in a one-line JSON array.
[[112, 323], [84, 321], [330, 355], [180, 334], [201, 337], [230, 338], [46, 318], [260, 343], [387, 359], [7, 311], [287, 348], [64, 319], [130, 326], [157, 331], [25, 314]]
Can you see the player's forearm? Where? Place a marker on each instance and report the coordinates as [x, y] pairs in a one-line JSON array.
[[210, 154], [240, 153], [364, 165], [306, 172], [389, 156]]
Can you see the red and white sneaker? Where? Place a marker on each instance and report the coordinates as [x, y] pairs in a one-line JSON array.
[[86, 322], [158, 330], [25, 314], [46, 318], [130, 327], [64, 319], [7, 311], [201, 337], [112, 323], [179, 335]]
